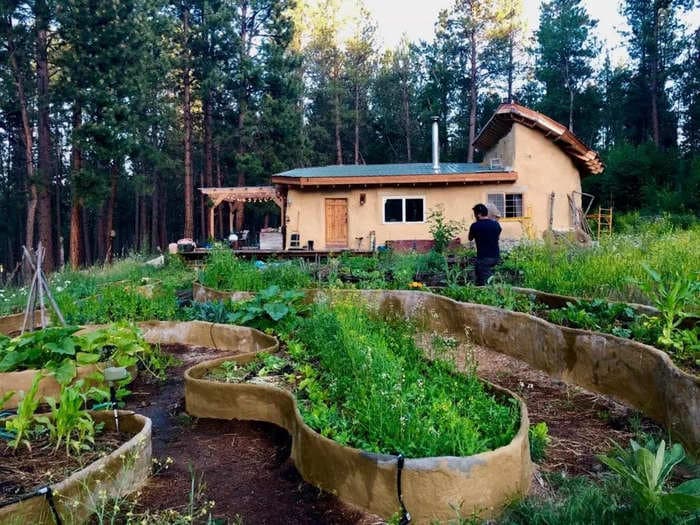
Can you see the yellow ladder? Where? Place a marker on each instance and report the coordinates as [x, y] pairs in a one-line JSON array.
[[604, 219]]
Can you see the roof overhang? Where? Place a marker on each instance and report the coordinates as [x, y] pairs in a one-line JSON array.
[[587, 160], [400, 180]]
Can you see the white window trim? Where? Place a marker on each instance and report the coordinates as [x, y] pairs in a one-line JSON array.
[[504, 193], [403, 208]]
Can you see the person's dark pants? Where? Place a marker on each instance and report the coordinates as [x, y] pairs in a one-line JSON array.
[[484, 269]]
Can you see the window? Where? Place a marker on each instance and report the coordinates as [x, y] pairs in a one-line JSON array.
[[509, 204], [404, 209]]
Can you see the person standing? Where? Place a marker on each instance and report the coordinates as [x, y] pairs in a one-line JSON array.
[[485, 233]]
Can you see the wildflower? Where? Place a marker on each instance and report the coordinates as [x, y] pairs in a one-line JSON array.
[[415, 284]]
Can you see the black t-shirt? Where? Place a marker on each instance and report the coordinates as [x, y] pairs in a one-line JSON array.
[[486, 233]]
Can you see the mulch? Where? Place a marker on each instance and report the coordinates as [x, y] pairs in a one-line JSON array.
[[242, 466], [24, 470]]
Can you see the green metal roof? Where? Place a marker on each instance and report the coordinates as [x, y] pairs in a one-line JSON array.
[[378, 170]]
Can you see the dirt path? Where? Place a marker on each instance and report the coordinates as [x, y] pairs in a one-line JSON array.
[[581, 424], [243, 466]]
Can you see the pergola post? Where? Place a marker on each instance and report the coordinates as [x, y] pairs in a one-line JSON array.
[[211, 221], [230, 217]]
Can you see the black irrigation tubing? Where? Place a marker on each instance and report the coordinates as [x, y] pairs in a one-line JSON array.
[[405, 515], [41, 491]]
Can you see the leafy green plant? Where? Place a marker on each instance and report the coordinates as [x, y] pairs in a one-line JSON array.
[[268, 308], [443, 230], [22, 424], [70, 423], [539, 441], [672, 297], [646, 470], [54, 349]]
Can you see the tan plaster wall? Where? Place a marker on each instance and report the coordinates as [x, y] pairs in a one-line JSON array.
[[118, 474], [307, 213], [544, 168], [483, 483], [637, 375]]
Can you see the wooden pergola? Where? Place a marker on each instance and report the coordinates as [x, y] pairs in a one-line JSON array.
[[240, 195]]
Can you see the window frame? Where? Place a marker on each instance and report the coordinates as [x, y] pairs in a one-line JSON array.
[[504, 195], [403, 209]]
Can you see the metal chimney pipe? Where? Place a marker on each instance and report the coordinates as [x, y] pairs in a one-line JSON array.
[[436, 145]]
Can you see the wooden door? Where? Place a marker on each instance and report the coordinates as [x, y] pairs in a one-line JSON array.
[[336, 223]]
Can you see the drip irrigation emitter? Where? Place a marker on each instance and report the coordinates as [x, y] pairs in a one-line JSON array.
[[41, 491], [113, 375], [405, 515]]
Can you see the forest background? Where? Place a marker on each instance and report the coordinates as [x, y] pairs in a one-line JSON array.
[[112, 112]]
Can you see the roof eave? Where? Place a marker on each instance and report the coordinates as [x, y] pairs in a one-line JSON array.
[[398, 180]]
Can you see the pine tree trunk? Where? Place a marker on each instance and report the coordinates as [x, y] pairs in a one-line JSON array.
[[76, 165], [155, 207], [219, 183], [27, 135], [87, 245], [338, 144], [473, 95], [144, 236], [109, 223], [242, 97], [406, 116], [44, 175], [208, 156], [357, 123], [187, 116], [654, 81]]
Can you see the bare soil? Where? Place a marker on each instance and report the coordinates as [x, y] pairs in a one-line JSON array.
[[242, 466], [581, 424]]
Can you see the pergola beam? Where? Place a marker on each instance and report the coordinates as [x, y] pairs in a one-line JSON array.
[[240, 194]]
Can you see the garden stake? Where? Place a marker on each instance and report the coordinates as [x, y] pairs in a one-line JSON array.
[[112, 375], [405, 515]]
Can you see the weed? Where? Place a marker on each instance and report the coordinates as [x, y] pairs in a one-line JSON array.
[[539, 441], [22, 424], [646, 469]]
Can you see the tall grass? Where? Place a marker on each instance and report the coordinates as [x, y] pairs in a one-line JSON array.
[[224, 271], [74, 285], [614, 268]]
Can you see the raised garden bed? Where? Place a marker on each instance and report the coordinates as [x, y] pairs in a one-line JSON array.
[[432, 487], [638, 375], [118, 473]]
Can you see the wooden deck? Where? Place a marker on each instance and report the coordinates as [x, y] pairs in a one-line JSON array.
[[199, 254]]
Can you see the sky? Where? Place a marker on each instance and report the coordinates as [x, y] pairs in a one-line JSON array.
[[417, 17]]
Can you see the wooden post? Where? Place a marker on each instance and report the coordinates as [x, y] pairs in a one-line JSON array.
[[211, 221], [230, 217]]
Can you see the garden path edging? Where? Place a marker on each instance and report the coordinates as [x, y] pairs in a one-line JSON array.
[[482, 483], [22, 380], [119, 473], [227, 338], [12, 324], [202, 294], [638, 375]]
